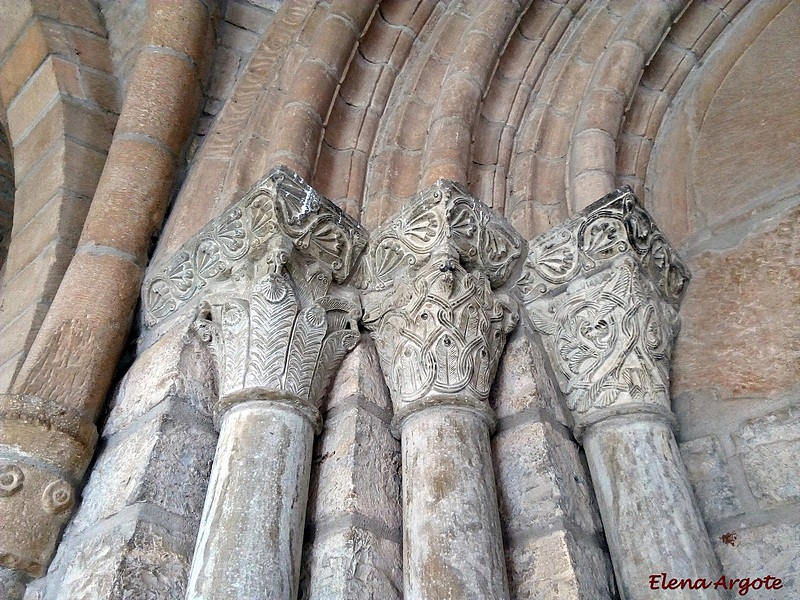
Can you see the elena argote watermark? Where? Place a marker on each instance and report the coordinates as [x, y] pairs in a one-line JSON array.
[[661, 581]]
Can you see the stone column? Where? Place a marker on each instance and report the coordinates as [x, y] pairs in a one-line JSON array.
[[440, 327], [278, 329], [603, 289]]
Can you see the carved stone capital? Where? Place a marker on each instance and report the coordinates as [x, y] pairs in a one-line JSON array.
[[261, 278], [430, 275], [603, 289], [46, 448], [225, 251]]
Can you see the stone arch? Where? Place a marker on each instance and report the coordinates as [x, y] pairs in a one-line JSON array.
[[60, 94]]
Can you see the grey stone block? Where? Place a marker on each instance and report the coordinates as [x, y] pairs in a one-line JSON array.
[[541, 479], [357, 470], [165, 462], [772, 549], [354, 564], [707, 468], [559, 566], [522, 381], [768, 448]]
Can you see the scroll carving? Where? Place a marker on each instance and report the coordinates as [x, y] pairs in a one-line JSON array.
[[613, 226], [430, 277], [603, 289], [223, 252]]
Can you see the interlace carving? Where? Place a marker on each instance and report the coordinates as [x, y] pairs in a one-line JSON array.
[[223, 252], [603, 289], [429, 273]]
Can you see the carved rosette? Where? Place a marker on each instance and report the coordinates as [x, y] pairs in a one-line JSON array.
[[262, 280], [37, 495], [603, 289], [223, 252], [430, 275]]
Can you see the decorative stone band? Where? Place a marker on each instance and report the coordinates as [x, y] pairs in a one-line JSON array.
[[429, 276], [603, 289], [46, 448], [226, 249]]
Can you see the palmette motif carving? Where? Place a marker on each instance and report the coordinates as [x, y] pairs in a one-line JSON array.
[[443, 215], [430, 274], [603, 289], [286, 336], [224, 251], [614, 225]]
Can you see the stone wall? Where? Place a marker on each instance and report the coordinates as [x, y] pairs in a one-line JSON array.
[[538, 107]]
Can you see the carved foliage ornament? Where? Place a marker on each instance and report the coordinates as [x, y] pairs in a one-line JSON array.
[[286, 334], [603, 289], [281, 204], [430, 272], [610, 337], [443, 215], [614, 225], [441, 333]]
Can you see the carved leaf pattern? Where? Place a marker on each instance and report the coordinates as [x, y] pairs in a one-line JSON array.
[[612, 338], [282, 204], [614, 225], [236, 325], [272, 312], [309, 330], [442, 333]]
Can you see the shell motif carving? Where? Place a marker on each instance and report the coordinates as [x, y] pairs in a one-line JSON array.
[[614, 225], [281, 204]]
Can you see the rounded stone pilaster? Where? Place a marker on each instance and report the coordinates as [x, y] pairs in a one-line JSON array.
[[45, 450]]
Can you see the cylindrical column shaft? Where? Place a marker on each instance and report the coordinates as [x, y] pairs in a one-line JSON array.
[[452, 542], [651, 519], [251, 532]]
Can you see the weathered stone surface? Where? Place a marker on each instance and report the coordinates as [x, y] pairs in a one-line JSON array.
[[177, 367], [771, 549], [769, 448], [355, 564], [649, 513], [741, 312], [742, 147], [541, 481], [360, 376], [251, 532], [136, 560], [451, 540], [165, 462], [357, 470], [522, 381], [559, 566], [707, 468]]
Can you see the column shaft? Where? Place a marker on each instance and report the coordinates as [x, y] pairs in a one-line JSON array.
[[651, 519], [452, 542], [251, 533]]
